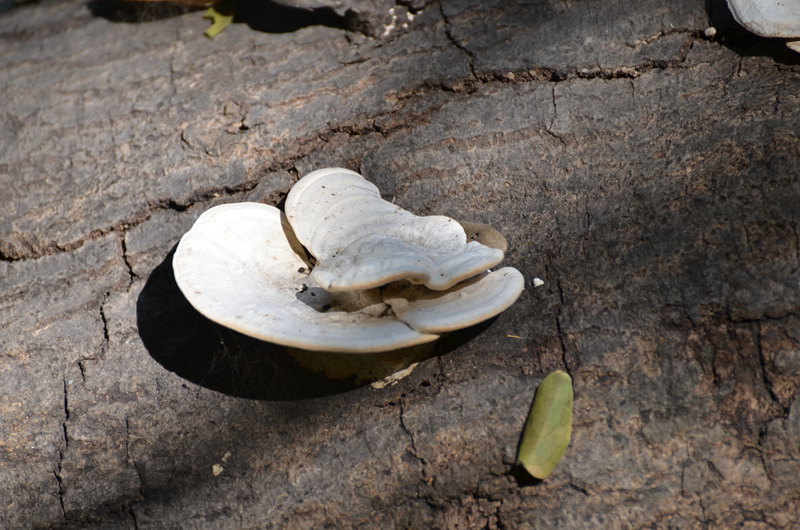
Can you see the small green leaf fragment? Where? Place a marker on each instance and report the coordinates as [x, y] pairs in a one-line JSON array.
[[221, 16], [549, 426]]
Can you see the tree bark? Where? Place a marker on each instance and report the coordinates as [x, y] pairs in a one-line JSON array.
[[646, 172]]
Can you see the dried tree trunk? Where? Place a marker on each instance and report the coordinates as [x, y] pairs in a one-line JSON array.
[[647, 173]]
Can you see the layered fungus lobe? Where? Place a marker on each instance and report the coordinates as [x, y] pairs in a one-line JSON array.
[[383, 278], [362, 241], [770, 18]]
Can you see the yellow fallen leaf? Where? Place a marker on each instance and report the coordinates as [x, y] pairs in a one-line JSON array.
[[549, 426], [221, 16]]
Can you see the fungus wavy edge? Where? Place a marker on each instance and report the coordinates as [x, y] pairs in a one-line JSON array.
[[361, 240], [241, 267]]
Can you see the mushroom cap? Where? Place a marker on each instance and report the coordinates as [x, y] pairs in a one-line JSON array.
[[362, 241], [464, 305], [768, 18], [237, 268]]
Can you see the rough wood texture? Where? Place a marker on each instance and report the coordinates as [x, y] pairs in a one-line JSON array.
[[647, 174]]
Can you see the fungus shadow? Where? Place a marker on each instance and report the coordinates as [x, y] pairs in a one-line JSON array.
[[210, 355], [259, 15], [738, 39], [135, 12]]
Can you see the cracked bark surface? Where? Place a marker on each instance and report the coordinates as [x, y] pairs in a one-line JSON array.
[[648, 175]]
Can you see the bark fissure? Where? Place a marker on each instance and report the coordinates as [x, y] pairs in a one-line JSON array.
[[694, 33], [10, 254], [796, 243], [560, 330], [778, 317], [765, 376], [104, 320], [60, 482], [579, 489], [140, 476], [455, 42], [128, 441], [65, 436], [134, 520], [128, 267], [66, 415], [360, 127], [411, 439]]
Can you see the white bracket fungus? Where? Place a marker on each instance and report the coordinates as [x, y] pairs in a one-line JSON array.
[[439, 311], [362, 241], [384, 278], [770, 18]]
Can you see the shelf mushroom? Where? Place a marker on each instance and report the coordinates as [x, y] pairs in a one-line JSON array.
[[770, 18], [384, 278], [362, 241]]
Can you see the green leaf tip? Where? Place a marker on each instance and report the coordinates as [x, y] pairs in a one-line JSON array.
[[221, 16], [549, 426]]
